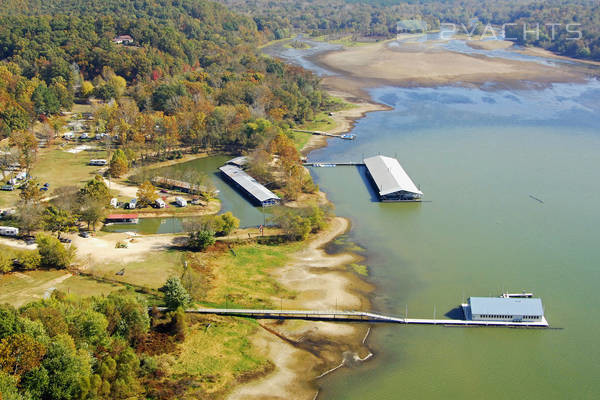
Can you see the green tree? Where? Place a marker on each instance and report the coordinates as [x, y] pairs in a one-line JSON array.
[[6, 263], [60, 221], [8, 387], [45, 100], [29, 260], [53, 253], [201, 240], [66, 369], [92, 211], [226, 223], [175, 294], [95, 189]]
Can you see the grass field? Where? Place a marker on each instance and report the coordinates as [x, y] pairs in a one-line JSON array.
[[58, 168], [217, 352], [241, 278], [151, 272]]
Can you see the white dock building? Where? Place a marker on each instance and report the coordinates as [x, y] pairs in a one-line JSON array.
[[256, 192], [505, 309], [390, 179]]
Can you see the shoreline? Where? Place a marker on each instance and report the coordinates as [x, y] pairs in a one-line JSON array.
[[305, 351], [412, 65]]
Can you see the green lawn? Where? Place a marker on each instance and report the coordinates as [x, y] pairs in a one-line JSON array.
[[151, 272], [59, 168], [243, 279], [219, 355]]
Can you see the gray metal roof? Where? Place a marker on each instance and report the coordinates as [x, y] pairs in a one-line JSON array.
[[389, 176], [247, 182], [240, 161], [506, 306]]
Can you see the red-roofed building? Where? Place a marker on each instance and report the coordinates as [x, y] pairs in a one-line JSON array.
[[122, 219]]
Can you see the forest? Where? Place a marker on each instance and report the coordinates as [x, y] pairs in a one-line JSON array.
[[186, 58]]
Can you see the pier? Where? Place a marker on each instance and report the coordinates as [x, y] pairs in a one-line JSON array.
[[345, 136], [334, 164], [357, 316]]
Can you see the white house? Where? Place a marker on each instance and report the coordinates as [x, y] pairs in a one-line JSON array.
[[9, 231], [123, 39], [181, 202]]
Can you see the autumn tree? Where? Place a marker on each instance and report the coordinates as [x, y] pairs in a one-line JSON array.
[[27, 146], [31, 193], [118, 164], [29, 216], [146, 194], [225, 224], [20, 353]]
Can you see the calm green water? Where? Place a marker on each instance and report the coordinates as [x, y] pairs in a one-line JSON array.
[[231, 200], [478, 155]]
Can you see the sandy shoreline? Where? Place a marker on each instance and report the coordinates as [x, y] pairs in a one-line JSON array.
[[426, 65]]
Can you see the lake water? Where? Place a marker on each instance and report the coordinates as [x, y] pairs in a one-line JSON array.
[[478, 155], [231, 200]]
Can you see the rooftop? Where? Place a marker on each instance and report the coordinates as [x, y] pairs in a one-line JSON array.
[[389, 176], [122, 216], [506, 306], [247, 182]]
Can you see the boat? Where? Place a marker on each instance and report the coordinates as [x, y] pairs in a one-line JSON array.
[[348, 136]]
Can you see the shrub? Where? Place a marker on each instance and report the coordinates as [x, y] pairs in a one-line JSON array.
[[175, 294], [53, 253], [201, 240]]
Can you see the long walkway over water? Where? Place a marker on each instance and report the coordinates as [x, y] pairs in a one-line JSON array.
[[356, 316]]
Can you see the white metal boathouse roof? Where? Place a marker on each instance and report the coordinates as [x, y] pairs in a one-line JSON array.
[[248, 183], [506, 306], [389, 176]]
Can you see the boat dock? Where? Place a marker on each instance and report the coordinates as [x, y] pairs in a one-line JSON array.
[[345, 136], [333, 164], [357, 316]]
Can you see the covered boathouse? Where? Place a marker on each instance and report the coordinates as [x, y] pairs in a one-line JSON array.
[[506, 309], [256, 192], [390, 179], [122, 219]]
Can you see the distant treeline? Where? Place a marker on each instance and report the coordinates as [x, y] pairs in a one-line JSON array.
[[379, 18]]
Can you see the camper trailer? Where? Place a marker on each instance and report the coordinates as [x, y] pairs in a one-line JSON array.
[[114, 203], [9, 231], [180, 201], [99, 162], [160, 203], [132, 204]]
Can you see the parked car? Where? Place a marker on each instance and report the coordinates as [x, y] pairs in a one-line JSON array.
[[29, 240], [65, 240], [84, 234]]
